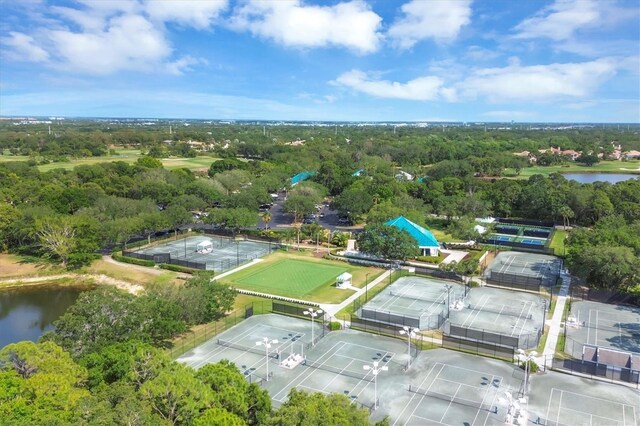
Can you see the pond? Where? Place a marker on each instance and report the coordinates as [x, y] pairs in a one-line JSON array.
[[29, 312], [600, 177]]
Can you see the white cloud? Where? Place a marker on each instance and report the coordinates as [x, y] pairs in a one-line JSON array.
[[420, 89], [24, 47], [194, 13], [560, 20], [537, 82], [129, 42], [439, 20], [351, 24]]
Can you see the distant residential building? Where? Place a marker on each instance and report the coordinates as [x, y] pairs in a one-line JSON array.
[[426, 241], [632, 155]]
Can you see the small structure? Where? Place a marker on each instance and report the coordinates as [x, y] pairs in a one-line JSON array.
[[427, 243], [403, 176], [204, 247], [343, 280]]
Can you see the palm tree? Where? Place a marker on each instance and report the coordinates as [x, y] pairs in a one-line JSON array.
[[266, 218]]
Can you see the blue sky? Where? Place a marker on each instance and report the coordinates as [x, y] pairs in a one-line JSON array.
[[375, 60]]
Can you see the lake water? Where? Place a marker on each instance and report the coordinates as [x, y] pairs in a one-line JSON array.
[[599, 177], [27, 313]]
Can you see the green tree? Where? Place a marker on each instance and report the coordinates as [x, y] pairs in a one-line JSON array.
[[233, 218], [57, 239], [310, 409], [39, 384], [107, 315], [233, 393], [608, 267], [177, 396], [387, 242], [149, 162]]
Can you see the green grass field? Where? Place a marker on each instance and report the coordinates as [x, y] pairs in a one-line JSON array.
[[572, 167], [295, 277], [127, 155]]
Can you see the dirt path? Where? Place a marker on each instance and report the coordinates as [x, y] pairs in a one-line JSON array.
[[98, 278], [150, 270]]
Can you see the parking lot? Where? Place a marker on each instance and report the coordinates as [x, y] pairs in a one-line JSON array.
[[326, 217]]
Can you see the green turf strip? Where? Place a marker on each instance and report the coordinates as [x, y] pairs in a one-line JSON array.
[[291, 277]]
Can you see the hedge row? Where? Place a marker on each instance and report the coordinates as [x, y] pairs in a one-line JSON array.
[[178, 268], [140, 262]]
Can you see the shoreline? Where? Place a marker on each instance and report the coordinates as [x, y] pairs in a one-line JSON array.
[[87, 280]]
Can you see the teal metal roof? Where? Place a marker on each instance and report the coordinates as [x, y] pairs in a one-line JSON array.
[[301, 176], [423, 236], [358, 172]]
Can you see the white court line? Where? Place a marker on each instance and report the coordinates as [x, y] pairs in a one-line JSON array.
[[493, 400], [239, 336], [549, 403], [559, 407], [595, 341], [588, 328], [330, 354], [327, 353], [484, 301], [608, 421], [218, 348], [428, 389], [414, 395], [450, 402], [586, 397]]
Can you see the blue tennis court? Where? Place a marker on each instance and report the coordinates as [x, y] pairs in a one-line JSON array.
[[532, 242], [501, 237]]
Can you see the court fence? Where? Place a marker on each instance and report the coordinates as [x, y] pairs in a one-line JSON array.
[[522, 341], [593, 370], [513, 281], [534, 248], [526, 222], [438, 273]]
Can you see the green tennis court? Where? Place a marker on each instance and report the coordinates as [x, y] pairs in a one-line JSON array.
[[287, 276]]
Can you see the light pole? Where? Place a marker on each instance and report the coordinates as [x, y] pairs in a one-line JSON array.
[[237, 252], [512, 409], [527, 360], [449, 287], [267, 344], [366, 287], [376, 368], [312, 313], [410, 332]]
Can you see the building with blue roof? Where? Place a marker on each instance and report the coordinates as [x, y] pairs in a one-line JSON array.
[[427, 243], [300, 177]]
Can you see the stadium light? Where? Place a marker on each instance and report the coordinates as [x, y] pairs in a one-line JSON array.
[[267, 344], [376, 368], [410, 332], [312, 313], [449, 287], [527, 360]]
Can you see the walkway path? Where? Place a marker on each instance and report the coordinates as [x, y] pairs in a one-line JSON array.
[[555, 324], [333, 309]]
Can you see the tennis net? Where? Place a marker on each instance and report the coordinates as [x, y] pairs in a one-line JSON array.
[[503, 311], [336, 370], [254, 349], [414, 297], [454, 399]]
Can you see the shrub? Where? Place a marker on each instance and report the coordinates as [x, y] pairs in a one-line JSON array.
[[134, 261], [533, 367], [334, 326], [78, 260], [473, 284], [177, 268], [430, 259]]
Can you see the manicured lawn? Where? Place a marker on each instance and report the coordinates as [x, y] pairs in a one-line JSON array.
[[301, 276], [127, 155], [602, 167], [295, 277], [557, 243]]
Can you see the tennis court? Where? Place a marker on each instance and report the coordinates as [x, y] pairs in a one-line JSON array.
[[557, 399], [292, 277], [494, 315], [526, 270], [223, 253], [441, 386], [604, 326], [414, 301]]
